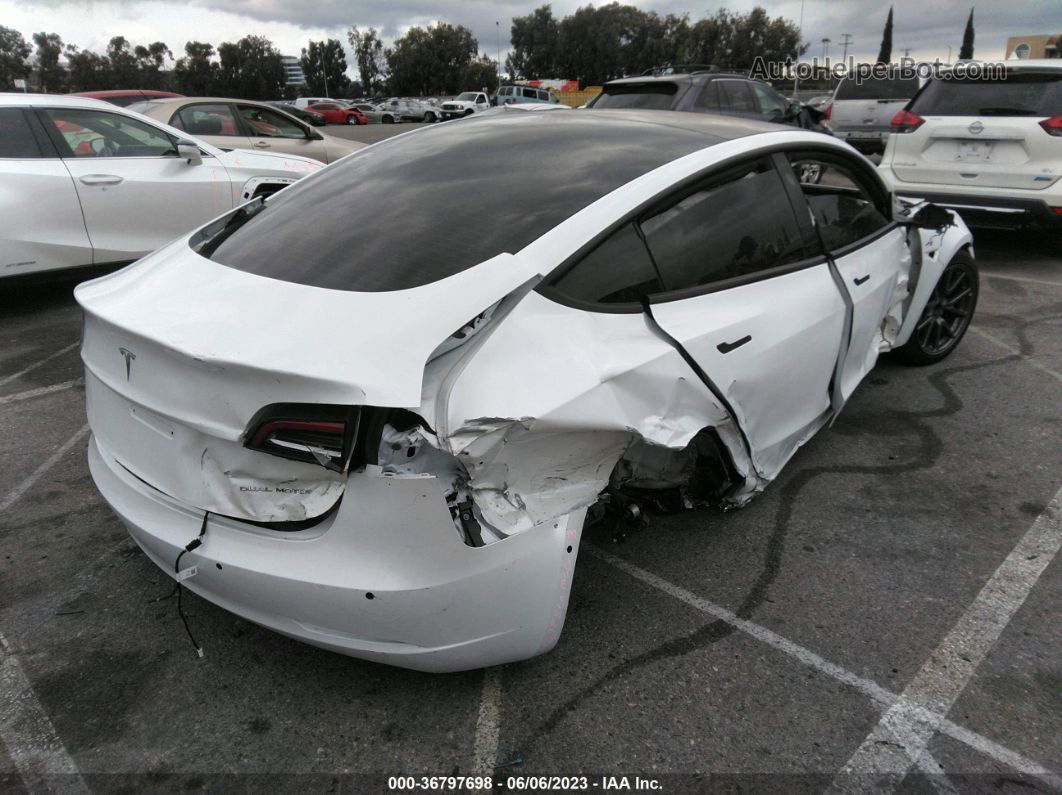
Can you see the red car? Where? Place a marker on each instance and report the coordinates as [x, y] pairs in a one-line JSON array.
[[335, 113], [124, 97]]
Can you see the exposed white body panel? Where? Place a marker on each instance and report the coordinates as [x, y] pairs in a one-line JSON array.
[[534, 408]]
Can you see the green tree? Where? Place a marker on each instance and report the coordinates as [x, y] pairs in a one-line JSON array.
[[369, 53], [967, 48], [885, 53], [124, 71], [51, 75], [13, 54], [87, 71], [734, 41], [432, 60], [481, 73], [325, 66], [534, 41], [149, 63], [250, 69], [196, 74]]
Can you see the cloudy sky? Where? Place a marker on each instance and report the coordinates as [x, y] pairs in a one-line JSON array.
[[927, 28]]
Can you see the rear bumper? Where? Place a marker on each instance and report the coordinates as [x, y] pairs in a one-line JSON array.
[[999, 212], [385, 577], [863, 140]]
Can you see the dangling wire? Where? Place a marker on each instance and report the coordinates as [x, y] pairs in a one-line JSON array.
[[193, 544]]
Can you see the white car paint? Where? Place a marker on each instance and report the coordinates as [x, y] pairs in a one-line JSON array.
[[527, 411], [465, 104], [116, 209]]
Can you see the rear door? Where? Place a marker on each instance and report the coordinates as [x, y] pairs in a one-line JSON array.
[[984, 133], [136, 194], [851, 213], [32, 178], [273, 131], [750, 302]]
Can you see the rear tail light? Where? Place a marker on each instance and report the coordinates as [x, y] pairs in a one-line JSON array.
[[829, 111], [905, 122], [1057, 210], [1053, 126], [315, 434]]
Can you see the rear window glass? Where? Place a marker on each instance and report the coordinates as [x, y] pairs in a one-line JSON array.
[[425, 206], [881, 88], [1018, 95], [651, 96]]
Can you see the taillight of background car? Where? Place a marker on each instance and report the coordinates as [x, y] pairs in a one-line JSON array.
[[905, 122], [828, 112], [1053, 126]]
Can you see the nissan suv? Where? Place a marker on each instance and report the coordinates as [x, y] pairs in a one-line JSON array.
[[989, 148]]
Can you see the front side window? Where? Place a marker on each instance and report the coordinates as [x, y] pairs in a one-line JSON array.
[[206, 120], [94, 133], [845, 209], [772, 105], [736, 95], [737, 224], [267, 124], [16, 137], [617, 271]]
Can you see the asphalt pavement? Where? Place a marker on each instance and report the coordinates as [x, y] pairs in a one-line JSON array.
[[898, 579]]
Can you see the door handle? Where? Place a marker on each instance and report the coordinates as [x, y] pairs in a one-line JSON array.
[[861, 279], [260, 144], [726, 347], [101, 179]]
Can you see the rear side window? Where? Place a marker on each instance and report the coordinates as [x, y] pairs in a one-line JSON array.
[[738, 224], [736, 96], [708, 100], [844, 208], [206, 120], [880, 88], [1018, 95], [771, 103], [648, 96], [617, 271], [16, 137]]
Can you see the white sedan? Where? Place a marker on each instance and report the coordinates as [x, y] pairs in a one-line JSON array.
[[391, 451], [84, 182]]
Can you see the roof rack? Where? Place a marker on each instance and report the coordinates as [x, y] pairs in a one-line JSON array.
[[680, 69]]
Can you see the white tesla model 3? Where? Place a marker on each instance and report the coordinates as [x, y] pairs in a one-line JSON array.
[[84, 182], [390, 452]]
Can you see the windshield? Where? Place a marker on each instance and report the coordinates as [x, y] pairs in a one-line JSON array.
[[449, 189], [1017, 95], [468, 96], [658, 95], [882, 88]]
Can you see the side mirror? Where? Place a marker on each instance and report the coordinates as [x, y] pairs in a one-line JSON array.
[[313, 135], [190, 152]]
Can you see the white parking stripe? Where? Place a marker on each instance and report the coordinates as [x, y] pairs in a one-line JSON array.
[[8, 378], [1010, 278], [488, 724], [869, 688], [1007, 347], [44, 390], [908, 725], [31, 740], [17, 492]]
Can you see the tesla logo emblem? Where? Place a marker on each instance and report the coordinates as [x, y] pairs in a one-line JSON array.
[[976, 128], [128, 355]]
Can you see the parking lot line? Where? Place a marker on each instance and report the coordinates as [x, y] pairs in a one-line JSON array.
[[29, 736], [1010, 278], [868, 687], [44, 390], [9, 378], [17, 492], [488, 724], [1007, 347], [907, 726]]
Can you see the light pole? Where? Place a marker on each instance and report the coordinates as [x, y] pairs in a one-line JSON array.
[[497, 42], [847, 39], [949, 53], [324, 72], [796, 71], [825, 44]]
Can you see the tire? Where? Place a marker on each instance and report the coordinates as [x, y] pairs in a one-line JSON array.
[[388, 120], [430, 117], [468, 112], [352, 119], [947, 314]]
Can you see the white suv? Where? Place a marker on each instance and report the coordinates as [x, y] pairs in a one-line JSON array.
[[989, 148]]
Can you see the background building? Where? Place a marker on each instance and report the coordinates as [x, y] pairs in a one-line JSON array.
[[1034, 46], [293, 70]]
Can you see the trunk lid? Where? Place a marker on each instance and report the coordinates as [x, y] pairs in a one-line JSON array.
[[182, 352]]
